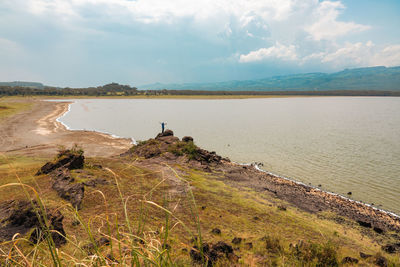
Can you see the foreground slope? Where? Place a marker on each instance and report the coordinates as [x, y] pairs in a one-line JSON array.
[[168, 202]]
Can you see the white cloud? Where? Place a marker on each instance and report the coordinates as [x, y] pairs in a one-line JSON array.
[[360, 54], [278, 51], [326, 25], [389, 56], [319, 19], [349, 55]]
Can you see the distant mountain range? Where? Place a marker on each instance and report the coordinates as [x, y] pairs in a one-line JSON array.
[[373, 78]]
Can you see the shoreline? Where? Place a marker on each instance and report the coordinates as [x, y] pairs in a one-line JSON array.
[[324, 191], [39, 132]]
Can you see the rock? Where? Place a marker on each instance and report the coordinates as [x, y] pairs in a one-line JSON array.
[[103, 241], [283, 208], [165, 133], [391, 248], [187, 139], [350, 260], [381, 261], [55, 218], [365, 256], [212, 253], [96, 181], [65, 187], [378, 230], [236, 240], [364, 224], [248, 245], [216, 231], [349, 193], [166, 246], [67, 159], [20, 216]]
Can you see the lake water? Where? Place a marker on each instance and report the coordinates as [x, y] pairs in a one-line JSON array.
[[341, 143]]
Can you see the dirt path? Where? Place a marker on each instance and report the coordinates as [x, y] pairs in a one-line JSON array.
[[36, 132]]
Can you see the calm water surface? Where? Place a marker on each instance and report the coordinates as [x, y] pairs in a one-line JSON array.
[[341, 143]]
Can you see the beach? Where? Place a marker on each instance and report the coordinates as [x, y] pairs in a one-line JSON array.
[[37, 132]]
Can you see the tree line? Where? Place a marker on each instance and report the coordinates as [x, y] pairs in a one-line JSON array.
[[115, 89]]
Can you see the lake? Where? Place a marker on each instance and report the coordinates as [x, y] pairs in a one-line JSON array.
[[340, 143]]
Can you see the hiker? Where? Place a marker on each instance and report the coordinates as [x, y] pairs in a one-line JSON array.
[[163, 126]]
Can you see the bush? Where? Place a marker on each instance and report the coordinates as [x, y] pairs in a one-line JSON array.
[[184, 148], [318, 254]]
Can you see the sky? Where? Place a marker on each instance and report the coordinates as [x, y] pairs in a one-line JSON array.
[[80, 43]]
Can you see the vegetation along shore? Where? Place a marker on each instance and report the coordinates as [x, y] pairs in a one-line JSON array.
[[82, 197]]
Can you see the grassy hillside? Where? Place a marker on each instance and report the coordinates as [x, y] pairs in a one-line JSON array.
[[152, 214]]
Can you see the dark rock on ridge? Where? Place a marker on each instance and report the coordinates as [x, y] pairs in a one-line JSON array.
[[65, 187], [391, 248], [216, 231], [187, 139], [365, 256], [350, 260], [166, 133], [236, 240], [20, 216], [381, 261], [364, 224], [68, 159]]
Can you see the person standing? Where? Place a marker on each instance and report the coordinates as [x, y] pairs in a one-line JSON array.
[[163, 126]]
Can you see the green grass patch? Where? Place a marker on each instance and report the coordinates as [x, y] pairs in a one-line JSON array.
[[10, 108]]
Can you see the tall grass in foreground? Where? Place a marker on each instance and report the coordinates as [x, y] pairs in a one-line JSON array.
[[123, 242]]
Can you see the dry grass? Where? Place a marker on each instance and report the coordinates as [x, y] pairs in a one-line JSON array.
[[9, 107]]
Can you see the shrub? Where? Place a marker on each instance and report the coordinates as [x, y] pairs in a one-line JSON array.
[[318, 254]]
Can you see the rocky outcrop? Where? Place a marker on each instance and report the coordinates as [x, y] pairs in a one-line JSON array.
[[67, 188], [20, 216], [167, 145], [68, 159]]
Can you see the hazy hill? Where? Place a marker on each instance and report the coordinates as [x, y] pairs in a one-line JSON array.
[[373, 78], [23, 84]]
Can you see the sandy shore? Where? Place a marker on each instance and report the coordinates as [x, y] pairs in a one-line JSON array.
[[37, 132]]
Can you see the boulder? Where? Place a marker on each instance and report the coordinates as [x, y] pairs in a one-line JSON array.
[[381, 261], [187, 139], [165, 133]]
